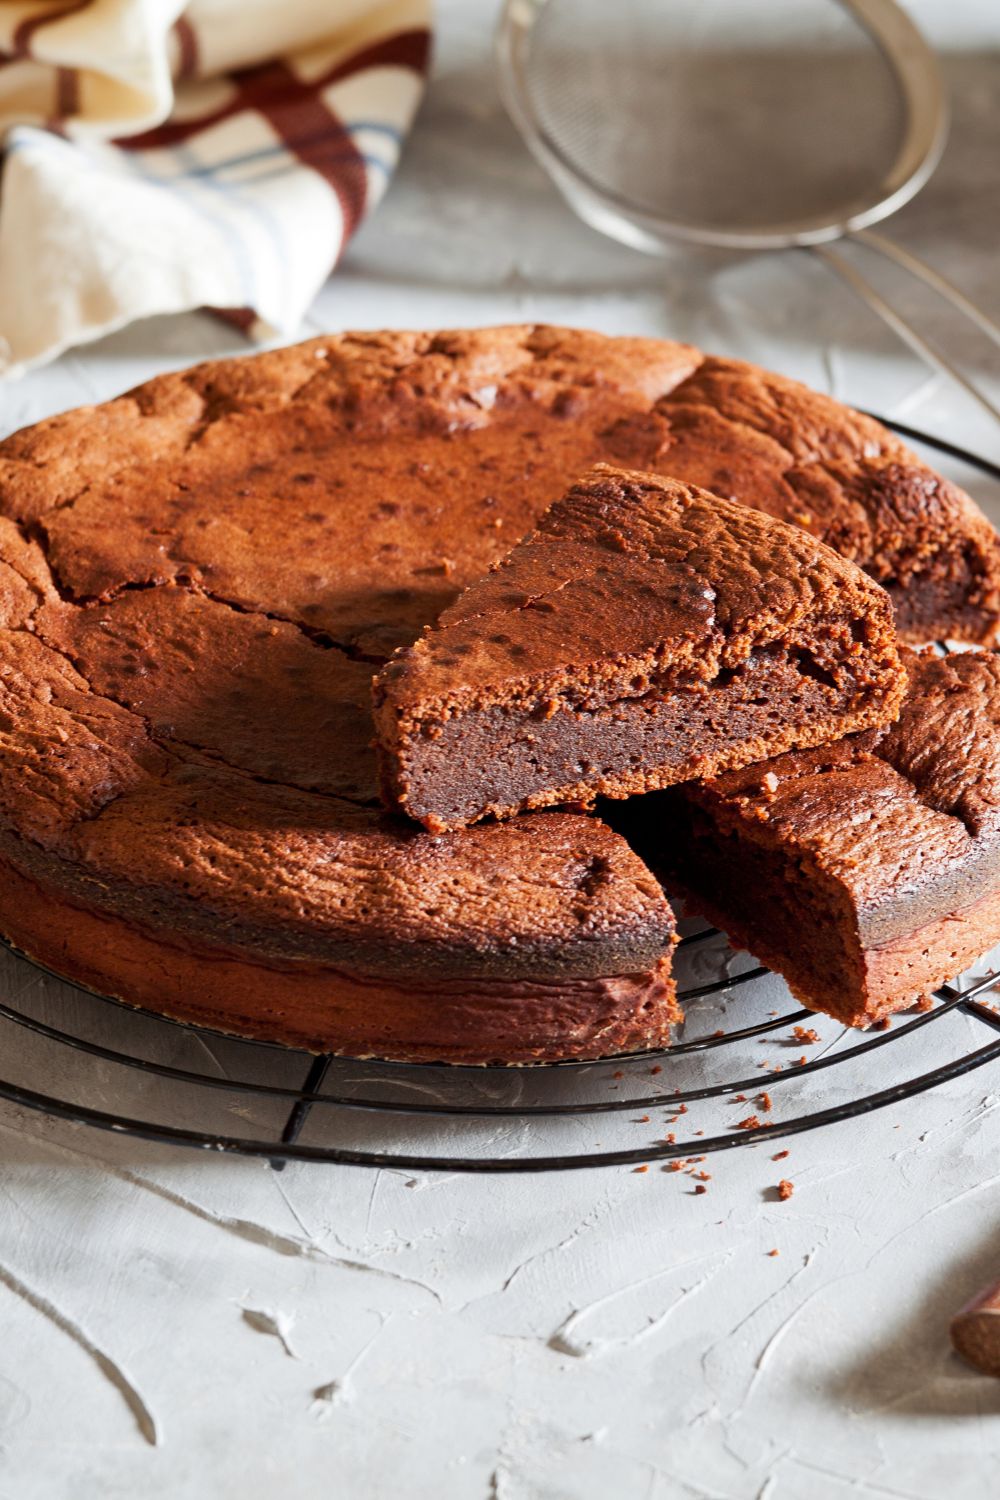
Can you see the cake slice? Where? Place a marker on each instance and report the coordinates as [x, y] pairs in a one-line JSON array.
[[645, 633], [866, 872]]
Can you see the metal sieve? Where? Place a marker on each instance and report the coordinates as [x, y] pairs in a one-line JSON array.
[[738, 125]]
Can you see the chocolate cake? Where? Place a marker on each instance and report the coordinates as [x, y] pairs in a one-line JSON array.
[[866, 872], [197, 581], [645, 633]]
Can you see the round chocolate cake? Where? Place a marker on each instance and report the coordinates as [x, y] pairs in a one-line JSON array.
[[198, 582]]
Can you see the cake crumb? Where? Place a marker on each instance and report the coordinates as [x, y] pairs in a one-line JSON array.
[[643, 1120], [800, 1062], [780, 1155], [765, 1103], [750, 1123], [738, 1099], [657, 1069], [701, 1188], [785, 1189], [774, 1252], [805, 1035], [670, 1138], [640, 1169]]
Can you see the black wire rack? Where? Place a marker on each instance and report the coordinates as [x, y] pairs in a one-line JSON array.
[[81, 1057]]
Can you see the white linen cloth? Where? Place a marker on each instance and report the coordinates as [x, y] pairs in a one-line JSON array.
[[160, 156]]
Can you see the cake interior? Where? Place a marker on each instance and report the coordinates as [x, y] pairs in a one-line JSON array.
[[538, 748], [780, 906]]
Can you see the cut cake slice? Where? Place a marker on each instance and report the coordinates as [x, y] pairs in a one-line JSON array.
[[645, 633]]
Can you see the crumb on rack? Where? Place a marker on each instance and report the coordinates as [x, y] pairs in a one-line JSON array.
[[780, 1155], [641, 1169], [765, 1102], [806, 1035], [752, 1122], [785, 1189]]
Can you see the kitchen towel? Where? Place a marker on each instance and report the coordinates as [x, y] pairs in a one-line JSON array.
[[160, 156]]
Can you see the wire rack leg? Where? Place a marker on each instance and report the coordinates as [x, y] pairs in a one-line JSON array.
[[300, 1109]]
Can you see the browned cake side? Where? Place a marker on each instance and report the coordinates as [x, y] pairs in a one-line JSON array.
[[645, 633], [197, 807], [868, 872]]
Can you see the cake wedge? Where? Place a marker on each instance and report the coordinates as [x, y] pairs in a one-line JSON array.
[[645, 633]]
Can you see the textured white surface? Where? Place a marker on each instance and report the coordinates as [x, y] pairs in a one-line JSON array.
[[182, 1325]]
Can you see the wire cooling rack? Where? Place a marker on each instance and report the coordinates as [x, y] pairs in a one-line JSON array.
[[748, 1066]]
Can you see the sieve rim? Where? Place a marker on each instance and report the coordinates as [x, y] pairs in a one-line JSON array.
[[922, 143]]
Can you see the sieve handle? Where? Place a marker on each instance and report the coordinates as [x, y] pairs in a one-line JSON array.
[[905, 330]]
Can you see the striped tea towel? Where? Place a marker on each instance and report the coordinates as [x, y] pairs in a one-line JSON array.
[[161, 155]]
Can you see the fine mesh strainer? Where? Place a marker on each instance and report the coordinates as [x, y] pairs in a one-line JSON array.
[[735, 124]]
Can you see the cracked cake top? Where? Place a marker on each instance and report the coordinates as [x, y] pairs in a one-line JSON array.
[[354, 484]]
